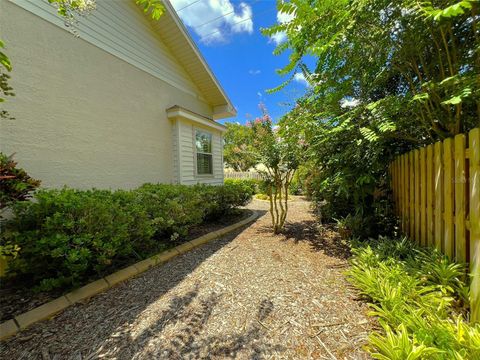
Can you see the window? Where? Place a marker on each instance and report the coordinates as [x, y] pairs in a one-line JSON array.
[[203, 145]]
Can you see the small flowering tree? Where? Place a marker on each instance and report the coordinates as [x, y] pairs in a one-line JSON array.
[[237, 149], [279, 159]]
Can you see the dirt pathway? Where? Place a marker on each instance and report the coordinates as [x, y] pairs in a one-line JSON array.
[[249, 295]]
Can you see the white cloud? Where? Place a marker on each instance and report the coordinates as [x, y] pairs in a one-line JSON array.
[[254, 72], [279, 37], [214, 20], [282, 18], [349, 102], [300, 78]]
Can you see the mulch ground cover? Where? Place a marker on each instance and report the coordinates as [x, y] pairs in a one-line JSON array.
[[247, 295], [16, 299]]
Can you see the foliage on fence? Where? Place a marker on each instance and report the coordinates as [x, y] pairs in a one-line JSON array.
[[437, 198]]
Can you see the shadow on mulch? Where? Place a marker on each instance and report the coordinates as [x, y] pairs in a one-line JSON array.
[[17, 298], [320, 237], [191, 320], [102, 326]]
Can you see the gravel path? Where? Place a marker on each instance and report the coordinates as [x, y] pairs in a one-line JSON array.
[[248, 295]]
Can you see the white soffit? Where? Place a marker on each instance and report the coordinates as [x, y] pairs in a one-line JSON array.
[[174, 34], [177, 112]]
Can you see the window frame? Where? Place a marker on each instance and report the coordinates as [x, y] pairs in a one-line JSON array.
[[196, 152]]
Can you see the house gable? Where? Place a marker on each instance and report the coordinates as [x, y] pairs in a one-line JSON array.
[[161, 48]]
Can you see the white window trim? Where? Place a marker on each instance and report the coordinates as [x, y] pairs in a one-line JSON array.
[[195, 152]]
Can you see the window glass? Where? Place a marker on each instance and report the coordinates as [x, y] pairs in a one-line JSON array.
[[203, 145], [203, 142]]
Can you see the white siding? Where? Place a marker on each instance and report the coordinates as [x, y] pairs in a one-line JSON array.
[[187, 157], [120, 28], [175, 153]]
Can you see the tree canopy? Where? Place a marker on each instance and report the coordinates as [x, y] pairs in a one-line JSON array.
[[237, 151], [388, 76]]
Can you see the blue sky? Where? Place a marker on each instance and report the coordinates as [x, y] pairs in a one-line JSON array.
[[228, 35]]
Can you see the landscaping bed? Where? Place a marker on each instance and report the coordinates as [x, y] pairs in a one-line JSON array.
[[247, 295], [67, 238], [17, 299]]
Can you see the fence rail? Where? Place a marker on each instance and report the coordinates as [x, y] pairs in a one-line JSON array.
[[436, 190], [243, 175]]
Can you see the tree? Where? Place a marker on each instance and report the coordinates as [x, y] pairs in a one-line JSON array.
[[389, 76], [237, 150], [420, 56], [280, 157]]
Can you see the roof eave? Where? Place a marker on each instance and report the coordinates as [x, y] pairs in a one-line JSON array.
[[225, 109], [178, 112]]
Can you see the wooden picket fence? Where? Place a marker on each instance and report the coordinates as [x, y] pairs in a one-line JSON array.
[[436, 190], [243, 175]]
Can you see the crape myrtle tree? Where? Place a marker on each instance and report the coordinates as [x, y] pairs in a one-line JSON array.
[[278, 157], [237, 149], [388, 76]]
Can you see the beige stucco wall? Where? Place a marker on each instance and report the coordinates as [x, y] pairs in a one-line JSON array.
[[84, 117]]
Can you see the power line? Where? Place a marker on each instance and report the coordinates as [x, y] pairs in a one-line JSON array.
[[186, 6], [232, 25], [223, 15], [217, 18]]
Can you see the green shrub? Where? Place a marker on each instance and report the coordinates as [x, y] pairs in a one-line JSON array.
[[67, 236], [172, 209], [420, 299], [239, 192], [247, 186]]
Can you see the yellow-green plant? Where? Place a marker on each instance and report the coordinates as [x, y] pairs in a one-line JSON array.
[[418, 297]]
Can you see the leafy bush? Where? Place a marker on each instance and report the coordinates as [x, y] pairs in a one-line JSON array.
[[15, 184], [67, 236], [173, 209], [243, 188], [262, 197], [356, 118], [420, 299]]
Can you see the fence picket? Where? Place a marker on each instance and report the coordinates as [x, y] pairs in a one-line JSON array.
[[474, 216], [406, 194], [448, 183], [411, 199], [438, 207], [423, 197], [416, 155], [401, 192], [430, 193], [460, 199]]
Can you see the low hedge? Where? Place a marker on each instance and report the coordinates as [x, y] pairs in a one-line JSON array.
[[68, 236]]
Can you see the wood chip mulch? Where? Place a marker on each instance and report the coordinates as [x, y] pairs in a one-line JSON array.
[[16, 300], [248, 295]]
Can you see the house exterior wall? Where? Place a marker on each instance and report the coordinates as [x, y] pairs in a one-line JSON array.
[[187, 155], [85, 117]]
